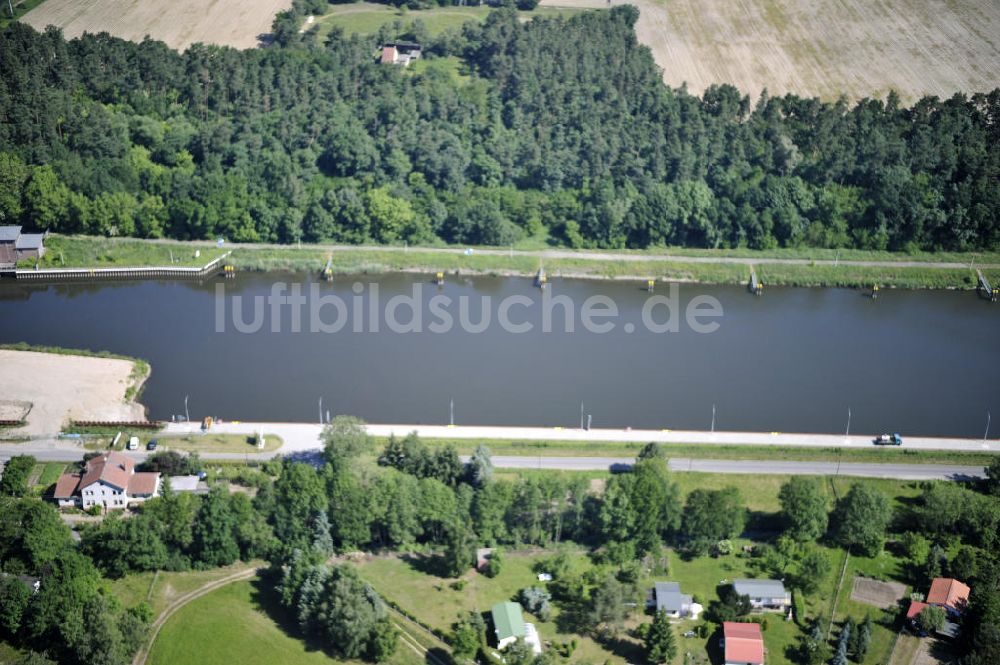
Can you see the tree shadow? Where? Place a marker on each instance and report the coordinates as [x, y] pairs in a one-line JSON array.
[[631, 651], [433, 565], [266, 598], [438, 656], [944, 651]]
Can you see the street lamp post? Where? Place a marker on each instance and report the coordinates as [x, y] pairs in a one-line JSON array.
[[187, 417]]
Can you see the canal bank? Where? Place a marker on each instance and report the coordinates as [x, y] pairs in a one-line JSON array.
[[787, 267]]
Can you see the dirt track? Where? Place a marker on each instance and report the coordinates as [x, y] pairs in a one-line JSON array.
[[238, 23], [822, 47]]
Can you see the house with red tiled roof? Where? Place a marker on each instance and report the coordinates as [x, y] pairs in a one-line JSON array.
[[109, 480], [949, 594], [743, 643]]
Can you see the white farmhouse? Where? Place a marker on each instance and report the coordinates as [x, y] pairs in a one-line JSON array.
[[109, 481]]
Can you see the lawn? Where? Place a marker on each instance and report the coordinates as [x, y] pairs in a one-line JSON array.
[[240, 623], [219, 443], [94, 252], [366, 18]]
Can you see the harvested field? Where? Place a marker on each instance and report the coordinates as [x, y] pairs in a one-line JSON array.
[[877, 594], [858, 48], [238, 23]]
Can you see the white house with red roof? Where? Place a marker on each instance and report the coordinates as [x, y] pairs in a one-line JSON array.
[[743, 643], [399, 53], [109, 480]]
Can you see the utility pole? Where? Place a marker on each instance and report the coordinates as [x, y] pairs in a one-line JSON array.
[[847, 434], [320, 410], [987, 434], [451, 413], [713, 419], [187, 417], [581, 415]]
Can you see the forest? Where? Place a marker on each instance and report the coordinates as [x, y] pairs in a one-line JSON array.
[[422, 498], [559, 129]]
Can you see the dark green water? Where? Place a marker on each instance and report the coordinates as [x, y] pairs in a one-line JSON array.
[[793, 360]]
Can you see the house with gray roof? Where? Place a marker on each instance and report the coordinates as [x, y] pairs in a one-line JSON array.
[[15, 246], [667, 597], [765, 595]]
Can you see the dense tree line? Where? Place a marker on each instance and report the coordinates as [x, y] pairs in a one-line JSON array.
[[557, 126], [68, 617]]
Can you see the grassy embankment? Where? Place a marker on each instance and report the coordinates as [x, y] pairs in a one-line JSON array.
[[366, 18], [83, 252], [874, 454]]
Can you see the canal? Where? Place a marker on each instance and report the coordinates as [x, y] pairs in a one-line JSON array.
[[921, 363]]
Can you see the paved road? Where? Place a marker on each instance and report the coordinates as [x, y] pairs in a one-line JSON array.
[[602, 256], [303, 440], [303, 436]]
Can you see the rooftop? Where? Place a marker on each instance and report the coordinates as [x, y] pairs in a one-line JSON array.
[[29, 241], [66, 486], [111, 468], [760, 588], [9, 233], [744, 642], [948, 592], [508, 620], [669, 597], [184, 483]]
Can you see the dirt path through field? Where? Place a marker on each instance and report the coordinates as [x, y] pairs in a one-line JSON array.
[[822, 48]]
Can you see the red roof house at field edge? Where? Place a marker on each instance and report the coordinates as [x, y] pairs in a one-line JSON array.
[[109, 480]]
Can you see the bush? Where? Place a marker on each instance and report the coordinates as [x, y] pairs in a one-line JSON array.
[[536, 600], [494, 565]]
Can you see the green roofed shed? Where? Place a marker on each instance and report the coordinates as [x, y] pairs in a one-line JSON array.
[[508, 623]]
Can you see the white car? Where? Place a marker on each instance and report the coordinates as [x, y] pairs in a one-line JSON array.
[[133, 443]]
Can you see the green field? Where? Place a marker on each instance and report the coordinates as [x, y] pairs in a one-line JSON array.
[[874, 454], [240, 623], [366, 18]]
